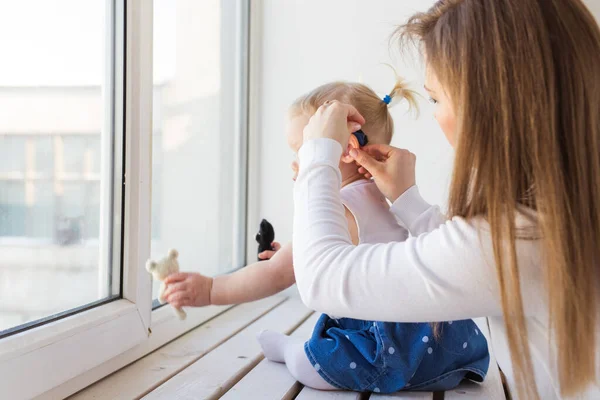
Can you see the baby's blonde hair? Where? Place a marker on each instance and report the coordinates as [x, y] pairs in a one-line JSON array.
[[379, 126]]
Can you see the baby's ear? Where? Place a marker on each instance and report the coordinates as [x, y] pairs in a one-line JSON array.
[[352, 144]]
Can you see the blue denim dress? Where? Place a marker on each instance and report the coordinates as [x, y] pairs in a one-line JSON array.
[[385, 357]]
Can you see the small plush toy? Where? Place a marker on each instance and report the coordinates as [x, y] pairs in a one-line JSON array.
[[160, 270], [265, 236]]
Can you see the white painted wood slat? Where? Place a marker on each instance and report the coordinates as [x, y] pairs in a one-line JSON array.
[[281, 385], [403, 396], [215, 373], [312, 394]]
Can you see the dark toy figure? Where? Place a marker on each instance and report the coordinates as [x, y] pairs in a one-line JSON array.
[[265, 236]]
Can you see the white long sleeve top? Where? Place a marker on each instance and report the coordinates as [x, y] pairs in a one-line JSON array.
[[444, 271]]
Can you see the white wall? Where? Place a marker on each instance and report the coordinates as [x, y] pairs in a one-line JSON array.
[[594, 6], [309, 42]]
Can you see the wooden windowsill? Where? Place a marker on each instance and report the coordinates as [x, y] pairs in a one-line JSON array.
[[222, 359]]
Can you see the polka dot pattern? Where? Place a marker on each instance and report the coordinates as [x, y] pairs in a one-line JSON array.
[[391, 350]]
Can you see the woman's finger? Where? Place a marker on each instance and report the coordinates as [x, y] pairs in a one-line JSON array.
[[379, 151], [364, 172], [276, 246], [352, 114], [366, 161], [353, 126], [173, 278]]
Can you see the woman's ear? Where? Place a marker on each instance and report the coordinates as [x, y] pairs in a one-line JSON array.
[[352, 144]]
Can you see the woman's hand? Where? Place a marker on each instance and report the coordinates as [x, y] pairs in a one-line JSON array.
[[393, 169], [188, 290], [334, 120]]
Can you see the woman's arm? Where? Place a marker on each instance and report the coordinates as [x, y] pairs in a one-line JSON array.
[[253, 282], [441, 275], [415, 214]]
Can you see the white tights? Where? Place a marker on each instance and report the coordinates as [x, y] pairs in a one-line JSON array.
[[281, 348]]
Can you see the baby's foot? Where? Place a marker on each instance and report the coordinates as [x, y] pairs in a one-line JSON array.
[[273, 344]]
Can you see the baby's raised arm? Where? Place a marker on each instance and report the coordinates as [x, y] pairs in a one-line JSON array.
[[253, 282]]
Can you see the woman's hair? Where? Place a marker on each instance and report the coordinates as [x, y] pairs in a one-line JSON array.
[[379, 126], [524, 79]]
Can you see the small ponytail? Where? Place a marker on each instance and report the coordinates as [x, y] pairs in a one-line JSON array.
[[399, 92]]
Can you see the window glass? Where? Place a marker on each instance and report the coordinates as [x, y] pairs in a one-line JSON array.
[[53, 114], [194, 201]]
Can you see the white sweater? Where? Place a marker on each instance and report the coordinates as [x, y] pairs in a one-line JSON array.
[[445, 271]]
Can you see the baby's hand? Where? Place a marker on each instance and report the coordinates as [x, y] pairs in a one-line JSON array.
[[267, 254], [188, 290]]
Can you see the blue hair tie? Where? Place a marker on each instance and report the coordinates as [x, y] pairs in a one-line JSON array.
[[387, 99], [361, 137]]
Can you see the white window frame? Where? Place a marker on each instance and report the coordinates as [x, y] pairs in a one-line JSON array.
[[62, 357]]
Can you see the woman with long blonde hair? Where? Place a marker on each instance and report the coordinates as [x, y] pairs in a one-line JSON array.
[[517, 91]]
